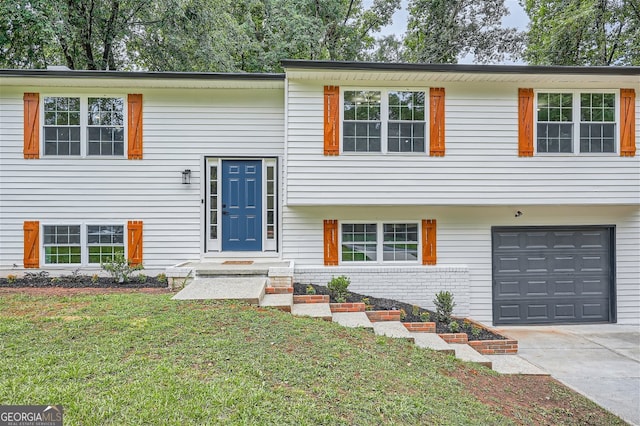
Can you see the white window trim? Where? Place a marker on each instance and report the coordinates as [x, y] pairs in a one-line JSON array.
[[84, 247], [576, 123], [384, 119], [380, 242], [84, 109]]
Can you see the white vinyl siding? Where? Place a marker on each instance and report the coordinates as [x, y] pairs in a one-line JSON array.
[[180, 127], [480, 167], [464, 240]]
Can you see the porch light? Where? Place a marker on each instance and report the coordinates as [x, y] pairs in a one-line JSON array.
[[186, 177]]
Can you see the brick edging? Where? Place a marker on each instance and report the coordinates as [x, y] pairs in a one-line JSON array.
[[376, 316], [278, 290], [347, 307], [420, 327], [454, 337], [311, 298], [495, 347]]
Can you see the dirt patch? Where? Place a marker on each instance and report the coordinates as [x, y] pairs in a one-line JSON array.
[[539, 400]]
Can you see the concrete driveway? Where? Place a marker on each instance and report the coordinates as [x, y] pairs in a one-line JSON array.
[[600, 361]]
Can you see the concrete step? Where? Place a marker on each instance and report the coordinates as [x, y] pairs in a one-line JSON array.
[[284, 302], [352, 319], [432, 341], [465, 352], [513, 364], [247, 289], [393, 329], [314, 310]]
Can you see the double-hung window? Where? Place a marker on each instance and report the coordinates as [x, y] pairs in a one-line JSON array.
[[379, 242], [77, 245], [84, 126], [383, 121], [576, 122]]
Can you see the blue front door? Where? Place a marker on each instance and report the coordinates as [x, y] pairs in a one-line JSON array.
[[242, 205]]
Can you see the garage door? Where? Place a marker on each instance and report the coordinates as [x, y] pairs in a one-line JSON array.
[[553, 275]]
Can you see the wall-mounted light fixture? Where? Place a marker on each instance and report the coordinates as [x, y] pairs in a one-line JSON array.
[[186, 177], [518, 213]]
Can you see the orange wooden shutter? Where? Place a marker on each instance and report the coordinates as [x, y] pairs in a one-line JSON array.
[[31, 147], [331, 120], [436, 122], [525, 122], [135, 127], [134, 231], [627, 122], [330, 242], [428, 241], [31, 244]]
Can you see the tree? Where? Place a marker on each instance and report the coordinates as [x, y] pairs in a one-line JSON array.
[[583, 32], [443, 31]]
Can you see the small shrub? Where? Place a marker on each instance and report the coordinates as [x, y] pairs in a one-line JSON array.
[[11, 278], [425, 316], [403, 315], [454, 327], [55, 280], [36, 276], [444, 306], [367, 304], [415, 310], [95, 278], [338, 288], [120, 268], [161, 278], [310, 290], [141, 278], [475, 331]]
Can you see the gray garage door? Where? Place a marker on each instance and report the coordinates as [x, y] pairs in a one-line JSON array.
[[553, 275]]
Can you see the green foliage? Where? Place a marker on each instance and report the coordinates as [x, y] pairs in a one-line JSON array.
[[161, 278], [141, 278], [338, 288], [475, 331], [425, 316], [403, 314], [444, 306], [11, 278], [583, 32], [55, 280], [367, 303], [310, 290], [120, 268], [443, 31], [95, 278], [454, 327]]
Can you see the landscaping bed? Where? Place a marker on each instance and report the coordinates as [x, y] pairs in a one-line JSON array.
[[408, 313], [76, 280]]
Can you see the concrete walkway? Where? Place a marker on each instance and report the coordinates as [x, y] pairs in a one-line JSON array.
[[599, 361]]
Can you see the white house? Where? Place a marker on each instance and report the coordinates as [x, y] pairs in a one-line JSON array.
[[515, 187]]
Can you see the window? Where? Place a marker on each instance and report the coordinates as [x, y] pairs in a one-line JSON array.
[[62, 244], [76, 244], [383, 121], [105, 126], [557, 114], [104, 242], [372, 242], [84, 126]]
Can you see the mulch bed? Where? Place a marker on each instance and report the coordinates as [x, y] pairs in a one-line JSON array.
[[412, 313], [44, 280]]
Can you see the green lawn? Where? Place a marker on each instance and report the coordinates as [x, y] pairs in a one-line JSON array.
[[145, 359]]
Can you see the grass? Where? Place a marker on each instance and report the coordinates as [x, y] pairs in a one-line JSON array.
[[136, 358]]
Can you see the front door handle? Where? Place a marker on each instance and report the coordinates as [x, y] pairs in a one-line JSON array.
[[225, 212]]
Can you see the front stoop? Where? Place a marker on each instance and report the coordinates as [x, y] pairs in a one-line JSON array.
[[314, 310], [283, 302], [393, 329], [465, 352]]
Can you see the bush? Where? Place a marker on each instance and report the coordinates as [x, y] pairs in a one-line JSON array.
[[120, 268], [444, 306], [425, 316], [454, 327], [310, 290], [338, 288]]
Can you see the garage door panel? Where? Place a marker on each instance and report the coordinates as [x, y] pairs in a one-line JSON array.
[[552, 275]]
